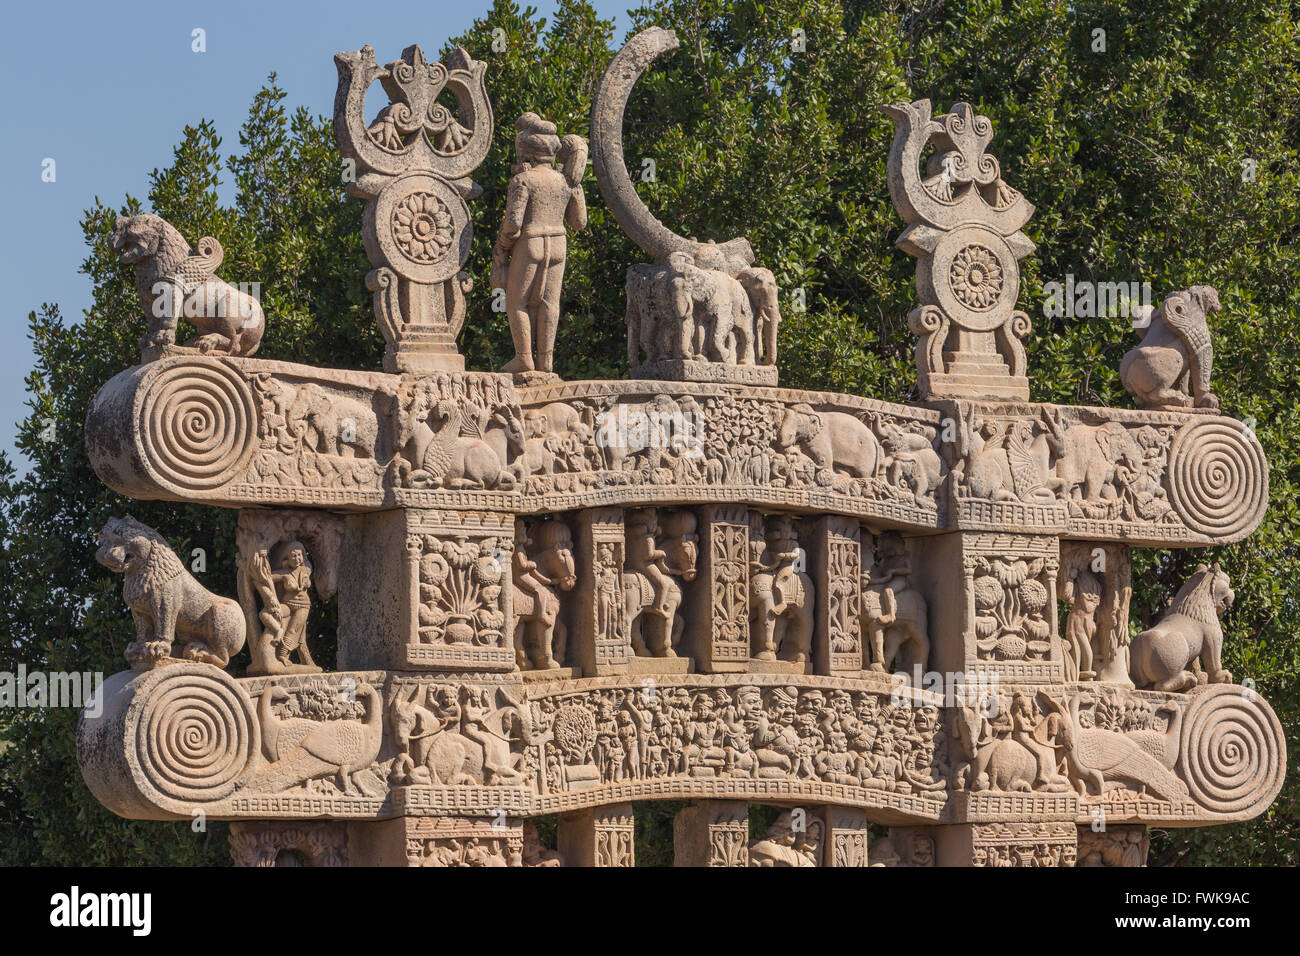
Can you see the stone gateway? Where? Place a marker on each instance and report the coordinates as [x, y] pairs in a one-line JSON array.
[[564, 597]]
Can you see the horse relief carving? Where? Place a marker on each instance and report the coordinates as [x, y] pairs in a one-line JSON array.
[[894, 616], [652, 594], [541, 636]]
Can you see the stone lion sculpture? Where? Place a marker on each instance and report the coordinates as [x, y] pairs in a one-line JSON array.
[[1175, 352], [1161, 657], [167, 603], [227, 319]]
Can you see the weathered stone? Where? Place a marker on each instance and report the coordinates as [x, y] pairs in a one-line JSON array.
[[566, 597]]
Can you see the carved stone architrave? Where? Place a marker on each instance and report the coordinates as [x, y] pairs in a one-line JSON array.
[[600, 606], [846, 837], [1007, 844], [721, 619], [601, 836], [289, 843], [712, 833], [835, 559], [442, 506], [429, 590]]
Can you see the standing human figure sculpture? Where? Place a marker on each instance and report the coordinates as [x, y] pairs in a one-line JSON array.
[[286, 601], [529, 257]]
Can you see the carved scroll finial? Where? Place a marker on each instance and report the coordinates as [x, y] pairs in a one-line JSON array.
[[412, 165], [964, 224]]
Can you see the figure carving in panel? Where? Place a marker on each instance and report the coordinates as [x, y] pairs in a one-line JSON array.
[[1009, 746], [787, 844], [282, 555], [652, 595], [541, 635], [894, 615], [781, 594], [466, 736]]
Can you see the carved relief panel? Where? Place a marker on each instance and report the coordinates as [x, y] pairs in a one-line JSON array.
[[836, 559], [721, 623], [604, 643], [428, 589]]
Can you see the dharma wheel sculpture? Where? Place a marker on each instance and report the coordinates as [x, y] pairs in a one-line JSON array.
[[565, 597]]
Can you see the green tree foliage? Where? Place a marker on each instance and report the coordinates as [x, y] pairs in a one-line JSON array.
[[1162, 150]]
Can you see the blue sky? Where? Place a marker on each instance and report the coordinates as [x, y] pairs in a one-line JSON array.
[[106, 89]]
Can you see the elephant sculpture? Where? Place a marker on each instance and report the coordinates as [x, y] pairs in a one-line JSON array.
[[834, 441], [333, 424], [693, 308], [1091, 458]]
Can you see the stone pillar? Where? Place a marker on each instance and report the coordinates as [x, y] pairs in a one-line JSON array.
[[602, 836], [601, 641], [721, 614], [992, 604], [835, 565], [1050, 843], [712, 833], [845, 841]]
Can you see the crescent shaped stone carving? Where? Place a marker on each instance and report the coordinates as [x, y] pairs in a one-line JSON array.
[[632, 214]]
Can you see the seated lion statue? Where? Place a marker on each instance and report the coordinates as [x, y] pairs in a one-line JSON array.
[[167, 603], [1162, 657], [175, 281]]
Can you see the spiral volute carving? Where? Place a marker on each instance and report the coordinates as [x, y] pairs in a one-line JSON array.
[[1231, 752], [197, 425], [1218, 478], [196, 735]]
